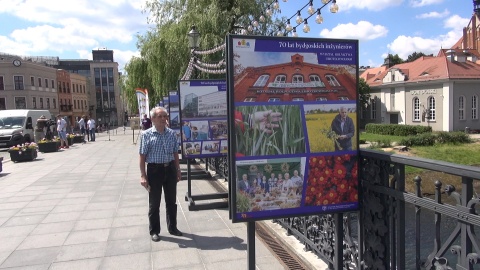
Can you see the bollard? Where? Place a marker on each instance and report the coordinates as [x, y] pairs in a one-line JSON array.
[[467, 130]]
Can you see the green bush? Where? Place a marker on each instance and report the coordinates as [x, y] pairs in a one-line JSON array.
[[456, 137], [396, 130], [425, 139]]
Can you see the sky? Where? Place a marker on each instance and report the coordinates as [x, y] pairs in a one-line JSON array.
[[71, 29]]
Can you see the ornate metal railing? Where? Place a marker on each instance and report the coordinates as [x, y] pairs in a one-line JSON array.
[[396, 228]]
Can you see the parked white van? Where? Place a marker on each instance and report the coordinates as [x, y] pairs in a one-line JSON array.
[[17, 126]]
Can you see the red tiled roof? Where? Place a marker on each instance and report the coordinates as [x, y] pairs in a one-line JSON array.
[[427, 69]]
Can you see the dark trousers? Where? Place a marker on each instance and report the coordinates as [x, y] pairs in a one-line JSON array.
[[161, 177]]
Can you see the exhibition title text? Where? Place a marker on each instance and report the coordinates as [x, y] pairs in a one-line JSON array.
[[306, 46]]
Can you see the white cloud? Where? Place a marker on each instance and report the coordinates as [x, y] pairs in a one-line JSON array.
[[363, 30], [422, 3], [375, 5], [406, 45], [433, 14]]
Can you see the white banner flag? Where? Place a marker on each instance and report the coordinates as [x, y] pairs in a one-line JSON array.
[[142, 98]]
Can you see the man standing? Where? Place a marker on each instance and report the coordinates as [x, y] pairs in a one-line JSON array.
[[62, 131], [81, 125], [343, 126], [146, 122], [91, 128], [159, 149]]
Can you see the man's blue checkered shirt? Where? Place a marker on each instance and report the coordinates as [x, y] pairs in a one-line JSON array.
[[158, 147]]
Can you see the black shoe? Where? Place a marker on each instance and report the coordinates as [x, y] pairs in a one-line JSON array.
[[175, 232], [155, 237]]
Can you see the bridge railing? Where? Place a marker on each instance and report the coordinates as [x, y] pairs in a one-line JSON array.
[[398, 226]]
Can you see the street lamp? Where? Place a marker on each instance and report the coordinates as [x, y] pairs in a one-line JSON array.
[[193, 38], [194, 43]]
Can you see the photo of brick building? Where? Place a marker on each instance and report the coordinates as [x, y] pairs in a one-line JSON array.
[[296, 80]]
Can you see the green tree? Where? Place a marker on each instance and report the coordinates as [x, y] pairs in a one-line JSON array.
[[164, 51], [394, 59], [414, 56], [363, 92]]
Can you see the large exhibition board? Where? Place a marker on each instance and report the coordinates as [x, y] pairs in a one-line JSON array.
[[203, 118], [293, 144]]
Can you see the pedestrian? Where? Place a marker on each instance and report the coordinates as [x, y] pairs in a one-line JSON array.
[[81, 125], [62, 131], [147, 123], [159, 149], [91, 127]]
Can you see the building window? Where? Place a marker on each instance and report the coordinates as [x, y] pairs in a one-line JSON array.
[[474, 107], [34, 102], [18, 81], [53, 84], [274, 99], [20, 103], [54, 103], [41, 103], [48, 103], [461, 108], [2, 87], [39, 82], [46, 83], [3, 104], [342, 98], [280, 79], [431, 109], [315, 78], [297, 79], [32, 81], [321, 99], [250, 99], [332, 80], [416, 109], [262, 80], [373, 109], [297, 99]]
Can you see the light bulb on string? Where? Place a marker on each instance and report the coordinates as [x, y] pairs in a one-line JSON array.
[[325, 1], [306, 27], [244, 32], [319, 18], [334, 7], [276, 5], [255, 23], [262, 18], [311, 9], [279, 33], [288, 27], [250, 28], [268, 12], [294, 33], [299, 18]]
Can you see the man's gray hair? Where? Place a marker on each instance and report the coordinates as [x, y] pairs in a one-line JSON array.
[[153, 112]]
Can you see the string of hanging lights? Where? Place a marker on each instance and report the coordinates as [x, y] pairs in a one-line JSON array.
[[288, 28], [219, 67]]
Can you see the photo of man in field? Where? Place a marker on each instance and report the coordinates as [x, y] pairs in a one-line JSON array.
[[324, 127]]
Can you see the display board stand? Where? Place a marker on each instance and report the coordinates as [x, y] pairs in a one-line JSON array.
[[192, 199]]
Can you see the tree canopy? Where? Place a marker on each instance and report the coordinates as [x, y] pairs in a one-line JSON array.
[[164, 51]]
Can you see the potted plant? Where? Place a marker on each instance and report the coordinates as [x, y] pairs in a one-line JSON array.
[[23, 152], [70, 138], [78, 138], [47, 146]]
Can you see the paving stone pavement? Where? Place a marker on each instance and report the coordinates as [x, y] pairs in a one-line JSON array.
[[83, 208]]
